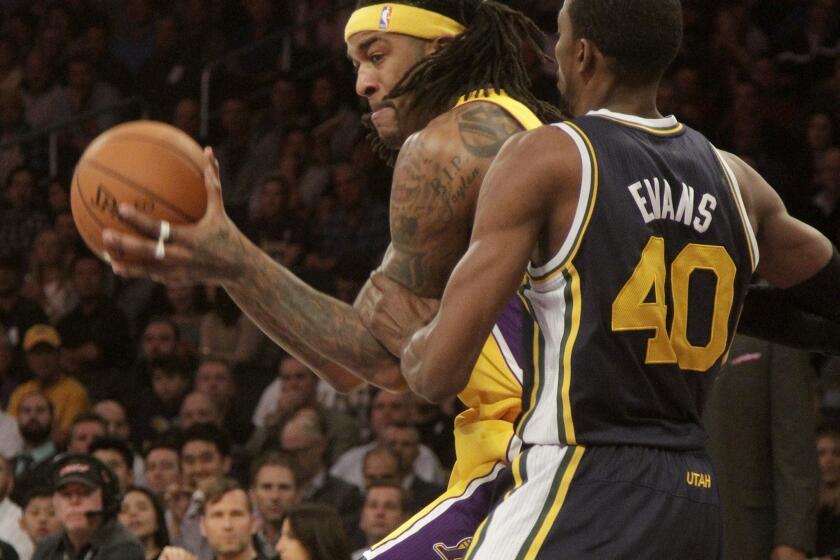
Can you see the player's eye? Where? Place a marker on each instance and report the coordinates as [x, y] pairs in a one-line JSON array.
[[376, 58]]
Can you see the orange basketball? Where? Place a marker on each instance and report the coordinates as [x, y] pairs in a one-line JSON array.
[[155, 167]]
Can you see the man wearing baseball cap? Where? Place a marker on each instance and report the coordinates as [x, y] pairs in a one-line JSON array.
[[86, 501], [42, 345]]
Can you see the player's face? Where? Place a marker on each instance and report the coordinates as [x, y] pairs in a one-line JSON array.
[[563, 51], [381, 60]]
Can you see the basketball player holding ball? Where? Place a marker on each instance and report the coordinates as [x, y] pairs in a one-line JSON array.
[[423, 65]]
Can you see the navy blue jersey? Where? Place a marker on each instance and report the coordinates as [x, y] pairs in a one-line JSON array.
[[634, 315]]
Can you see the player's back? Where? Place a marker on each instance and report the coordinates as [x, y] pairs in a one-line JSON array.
[[634, 314]]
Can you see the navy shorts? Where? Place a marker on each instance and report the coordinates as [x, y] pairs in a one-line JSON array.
[[605, 503]]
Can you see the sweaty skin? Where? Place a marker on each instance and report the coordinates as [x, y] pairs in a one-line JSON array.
[[436, 181]]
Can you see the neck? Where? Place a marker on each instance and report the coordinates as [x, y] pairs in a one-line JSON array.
[[79, 539], [150, 547], [638, 100], [248, 554], [271, 532], [30, 445]]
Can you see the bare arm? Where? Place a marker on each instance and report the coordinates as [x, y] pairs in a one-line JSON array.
[[514, 207], [790, 251], [322, 332]]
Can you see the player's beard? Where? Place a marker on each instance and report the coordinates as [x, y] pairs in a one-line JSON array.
[[386, 154]]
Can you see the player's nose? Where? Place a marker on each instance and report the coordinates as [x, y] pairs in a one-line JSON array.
[[366, 86]]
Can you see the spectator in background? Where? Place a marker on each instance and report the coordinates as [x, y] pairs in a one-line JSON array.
[[43, 101], [766, 468], [97, 345], [171, 73], [119, 457], [20, 219], [85, 93], [357, 225], [82, 484], [198, 408], [115, 417], [85, 429], [204, 455], [239, 165], [313, 531], [10, 441], [405, 440], [185, 306], [228, 522], [32, 465], [385, 509], [304, 438], [133, 40], [68, 236], [48, 280], [38, 519], [332, 121], [298, 388], [11, 74], [381, 463], [186, 116], [142, 513], [274, 489], [10, 513], [828, 520], [160, 340], [161, 466], [95, 45], [69, 398], [285, 112], [228, 333], [387, 409], [171, 381], [272, 222], [58, 202], [12, 125], [215, 379], [17, 312], [7, 381]]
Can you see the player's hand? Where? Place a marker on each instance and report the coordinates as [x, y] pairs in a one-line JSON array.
[[210, 251], [176, 553], [783, 552], [392, 313]]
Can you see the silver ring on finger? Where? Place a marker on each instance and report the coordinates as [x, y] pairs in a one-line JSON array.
[[163, 237]]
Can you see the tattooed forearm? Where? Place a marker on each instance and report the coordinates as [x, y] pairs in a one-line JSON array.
[[321, 331]]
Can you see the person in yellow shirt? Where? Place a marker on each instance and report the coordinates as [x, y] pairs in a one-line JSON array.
[[42, 345]]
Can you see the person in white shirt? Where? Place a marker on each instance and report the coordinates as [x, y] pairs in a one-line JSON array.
[[10, 514]]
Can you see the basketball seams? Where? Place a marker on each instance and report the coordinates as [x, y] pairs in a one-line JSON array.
[[169, 147], [136, 186]]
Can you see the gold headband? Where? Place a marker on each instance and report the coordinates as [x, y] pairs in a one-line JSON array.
[[399, 18]]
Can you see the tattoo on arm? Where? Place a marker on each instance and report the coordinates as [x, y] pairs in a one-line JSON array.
[[485, 128], [435, 188], [321, 331]]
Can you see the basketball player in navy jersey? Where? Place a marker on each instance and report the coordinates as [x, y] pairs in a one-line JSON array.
[[639, 239]]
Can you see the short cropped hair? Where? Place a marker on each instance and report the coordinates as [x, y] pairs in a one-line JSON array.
[[216, 488], [640, 38], [114, 444], [210, 433]]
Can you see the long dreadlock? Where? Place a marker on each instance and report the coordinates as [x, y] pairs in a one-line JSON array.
[[487, 55]]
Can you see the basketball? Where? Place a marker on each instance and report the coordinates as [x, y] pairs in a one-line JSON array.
[[153, 166]]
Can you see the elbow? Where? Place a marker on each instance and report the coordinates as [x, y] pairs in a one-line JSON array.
[[436, 388]]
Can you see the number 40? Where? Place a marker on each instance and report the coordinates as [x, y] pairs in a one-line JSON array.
[[631, 311]]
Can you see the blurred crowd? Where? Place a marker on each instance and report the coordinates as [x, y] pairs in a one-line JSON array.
[[175, 388]]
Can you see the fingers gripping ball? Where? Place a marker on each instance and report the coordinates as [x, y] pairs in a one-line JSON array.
[[154, 167]]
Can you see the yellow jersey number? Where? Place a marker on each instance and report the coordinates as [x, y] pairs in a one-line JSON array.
[[631, 311]]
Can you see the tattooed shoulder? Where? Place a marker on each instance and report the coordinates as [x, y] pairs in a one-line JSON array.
[[484, 128]]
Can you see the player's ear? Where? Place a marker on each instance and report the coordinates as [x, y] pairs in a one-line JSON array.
[[436, 44], [587, 58]]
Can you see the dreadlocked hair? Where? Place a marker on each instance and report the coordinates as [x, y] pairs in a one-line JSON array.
[[487, 55]]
